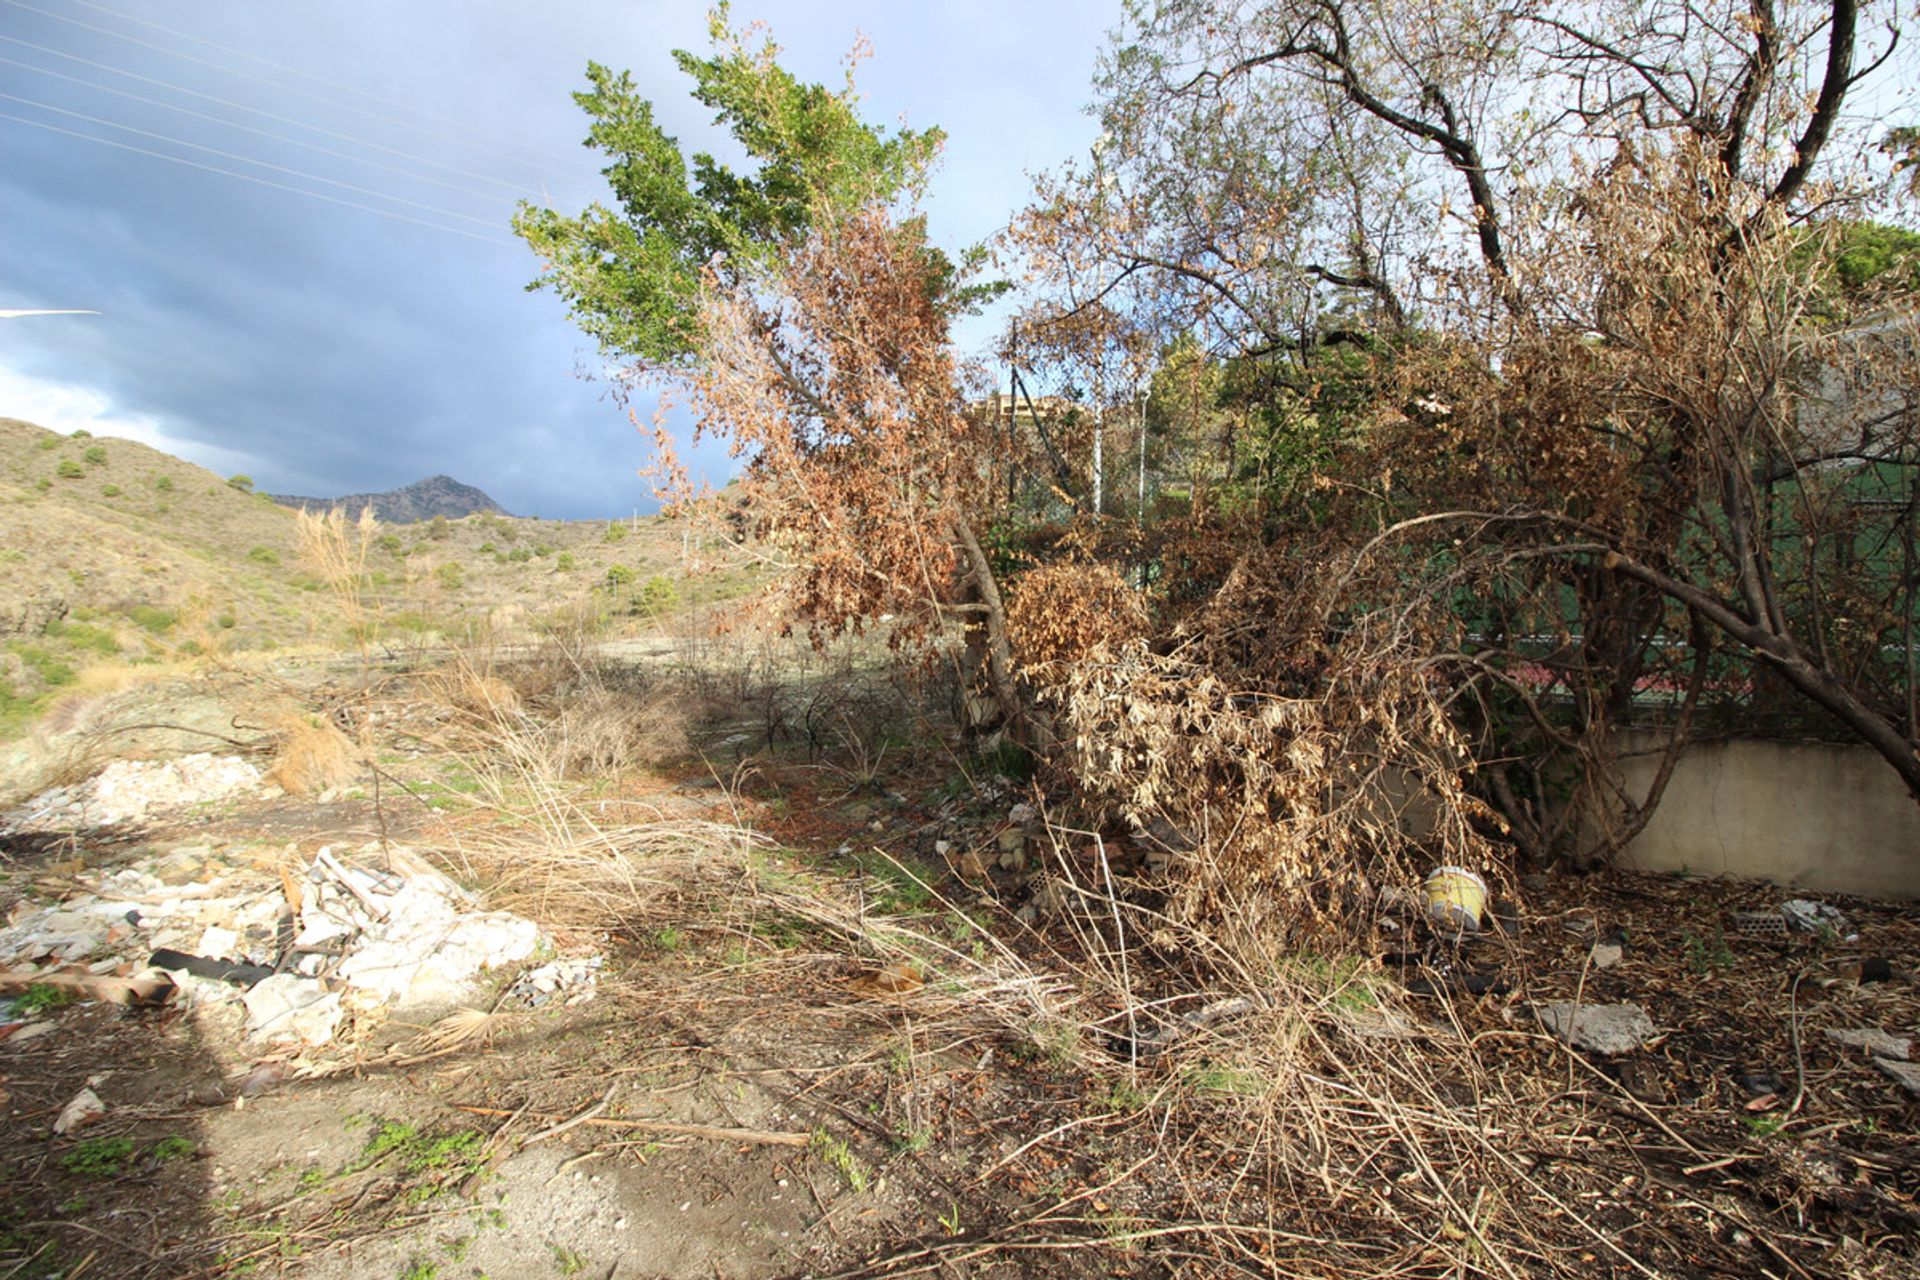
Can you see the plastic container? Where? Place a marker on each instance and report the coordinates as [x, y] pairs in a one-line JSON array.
[[1456, 897]]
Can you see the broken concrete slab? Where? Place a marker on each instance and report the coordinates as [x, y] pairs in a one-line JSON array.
[[1872, 1040], [1608, 1029], [285, 1007]]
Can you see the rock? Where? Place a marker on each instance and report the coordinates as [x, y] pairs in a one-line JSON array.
[[1906, 1074], [1023, 815], [285, 1007], [1809, 916], [1608, 1029], [941, 848], [1607, 954], [84, 1108], [1872, 1040], [971, 865], [217, 943], [1049, 899]]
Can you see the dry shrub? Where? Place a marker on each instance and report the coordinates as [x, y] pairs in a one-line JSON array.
[[602, 730], [1294, 778], [311, 755], [484, 693], [1062, 612]]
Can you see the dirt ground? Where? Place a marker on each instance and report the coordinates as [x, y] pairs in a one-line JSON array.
[[754, 1094]]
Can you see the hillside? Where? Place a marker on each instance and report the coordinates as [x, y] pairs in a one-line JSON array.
[[116, 554], [421, 500]]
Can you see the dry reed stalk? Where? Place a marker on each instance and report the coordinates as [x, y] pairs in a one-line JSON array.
[[336, 550]]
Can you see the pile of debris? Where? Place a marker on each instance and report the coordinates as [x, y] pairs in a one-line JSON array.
[[296, 948], [128, 791]]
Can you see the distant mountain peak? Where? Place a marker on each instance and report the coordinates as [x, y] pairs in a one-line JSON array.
[[421, 500]]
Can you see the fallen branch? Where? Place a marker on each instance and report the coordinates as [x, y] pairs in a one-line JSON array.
[[763, 1137]]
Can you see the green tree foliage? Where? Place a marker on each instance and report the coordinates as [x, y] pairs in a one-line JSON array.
[[631, 274]]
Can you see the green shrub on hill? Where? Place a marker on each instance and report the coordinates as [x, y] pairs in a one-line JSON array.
[[95, 456], [152, 618], [69, 470]]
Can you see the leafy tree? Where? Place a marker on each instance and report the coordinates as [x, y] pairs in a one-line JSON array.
[[632, 275], [1546, 293], [801, 310]]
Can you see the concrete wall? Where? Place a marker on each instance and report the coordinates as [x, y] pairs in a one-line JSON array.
[[1824, 819]]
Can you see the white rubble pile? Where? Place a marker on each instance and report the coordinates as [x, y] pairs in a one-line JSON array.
[[131, 790], [570, 981], [363, 939]]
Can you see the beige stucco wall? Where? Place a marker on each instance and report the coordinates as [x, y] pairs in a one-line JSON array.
[[1825, 819]]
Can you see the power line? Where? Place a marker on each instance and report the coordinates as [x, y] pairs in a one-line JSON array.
[[264, 164], [260, 133], [275, 84], [260, 111], [303, 74], [248, 177], [263, 133]]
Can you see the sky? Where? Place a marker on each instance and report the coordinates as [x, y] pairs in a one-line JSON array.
[[293, 218]]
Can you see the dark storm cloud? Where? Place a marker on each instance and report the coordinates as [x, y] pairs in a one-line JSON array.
[[329, 349]]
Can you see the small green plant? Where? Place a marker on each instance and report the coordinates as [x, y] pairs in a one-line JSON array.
[[43, 484], [616, 532], [1764, 1126], [488, 549], [670, 939], [81, 434], [619, 575], [421, 1269], [95, 455], [42, 996], [1707, 955], [564, 562], [950, 1220], [263, 555], [244, 483], [109, 490], [48, 442], [568, 1262], [390, 543], [450, 576], [226, 622], [171, 1148], [98, 1157], [438, 528], [839, 1157], [913, 1140], [69, 469], [163, 483]]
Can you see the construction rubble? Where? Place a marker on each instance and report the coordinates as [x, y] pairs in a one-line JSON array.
[[287, 950]]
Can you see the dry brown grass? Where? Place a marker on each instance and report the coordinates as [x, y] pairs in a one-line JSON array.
[[312, 755]]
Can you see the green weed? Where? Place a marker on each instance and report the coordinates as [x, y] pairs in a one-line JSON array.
[[98, 1157], [839, 1157]]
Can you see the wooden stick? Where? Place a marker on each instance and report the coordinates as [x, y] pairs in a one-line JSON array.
[[763, 1137], [331, 865]]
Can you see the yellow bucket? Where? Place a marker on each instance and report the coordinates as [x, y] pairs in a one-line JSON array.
[[1455, 898]]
